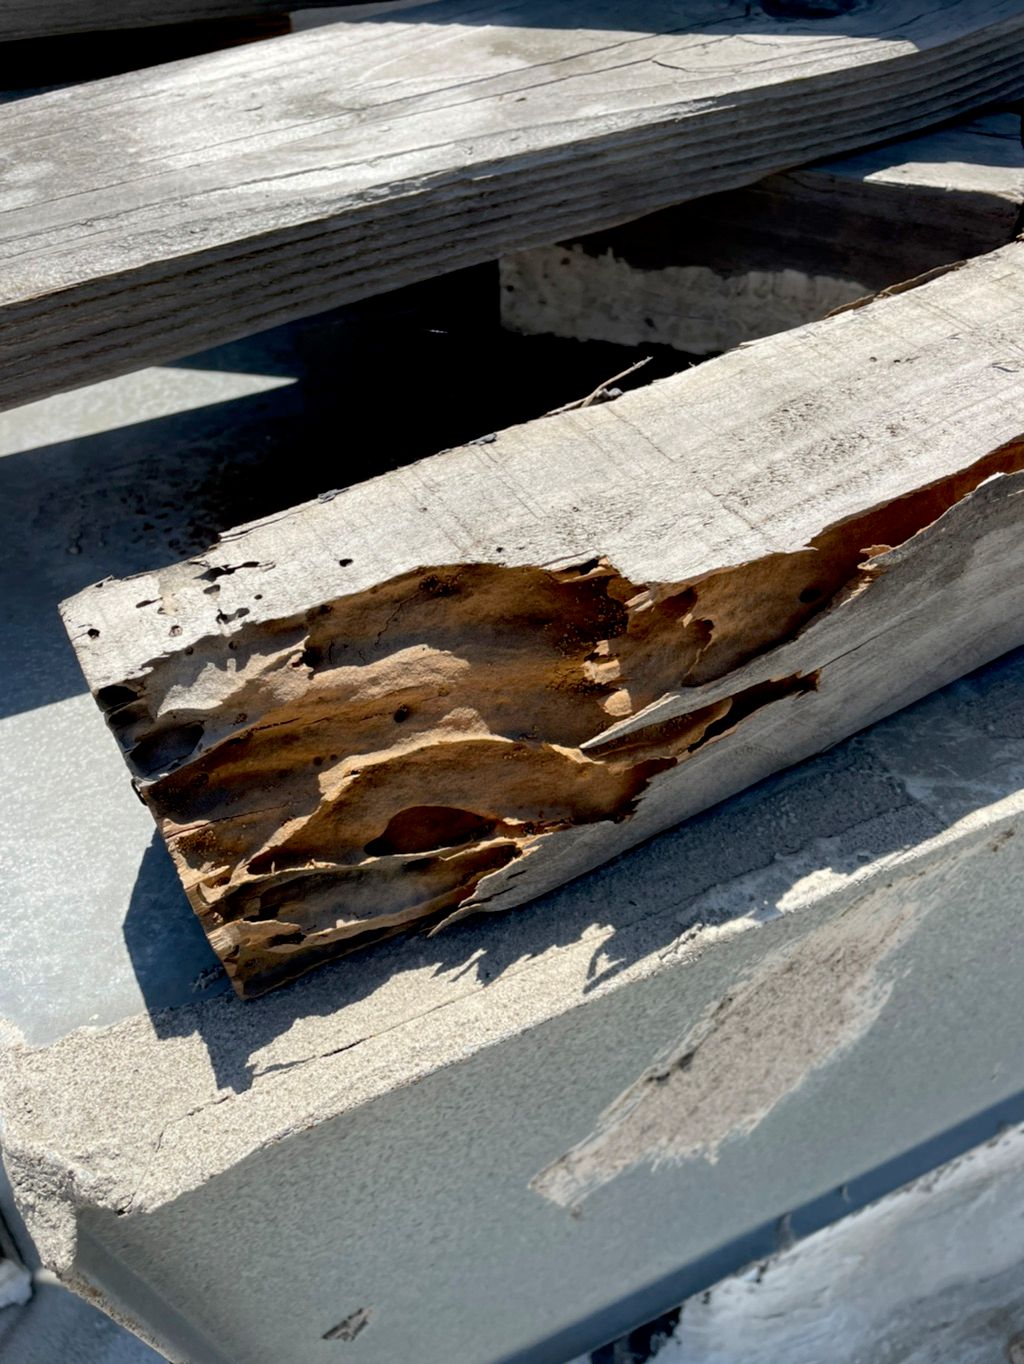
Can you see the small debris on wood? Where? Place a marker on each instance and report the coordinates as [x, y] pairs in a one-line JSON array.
[[603, 393]]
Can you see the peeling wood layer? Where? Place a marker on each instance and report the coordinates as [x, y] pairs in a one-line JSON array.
[[465, 735], [345, 776]]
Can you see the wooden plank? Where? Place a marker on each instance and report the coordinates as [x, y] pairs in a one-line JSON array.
[[460, 684], [705, 276], [151, 215]]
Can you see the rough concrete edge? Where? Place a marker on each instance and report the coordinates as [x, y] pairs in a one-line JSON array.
[[111, 1307]]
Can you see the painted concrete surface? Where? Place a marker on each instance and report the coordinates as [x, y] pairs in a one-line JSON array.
[[57, 1327], [456, 1071], [250, 1180], [435, 1174]]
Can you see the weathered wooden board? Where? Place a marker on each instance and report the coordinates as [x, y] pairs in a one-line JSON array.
[[459, 684], [148, 216], [708, 275]]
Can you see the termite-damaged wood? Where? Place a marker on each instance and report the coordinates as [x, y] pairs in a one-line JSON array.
[[459, 684], [708, 275], [154, 214]]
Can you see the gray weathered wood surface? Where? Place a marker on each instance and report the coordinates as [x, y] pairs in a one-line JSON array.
[[464, 682], [708, 275], [147, 216]]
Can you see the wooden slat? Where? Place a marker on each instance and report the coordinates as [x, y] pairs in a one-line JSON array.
[[459, 684], [148, 216], [708, 275]]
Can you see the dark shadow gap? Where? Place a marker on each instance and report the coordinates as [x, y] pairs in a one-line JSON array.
[[862, 18]]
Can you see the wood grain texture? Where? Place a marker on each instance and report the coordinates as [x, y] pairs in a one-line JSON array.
[[705, 276], [460, 684], [148, 216]]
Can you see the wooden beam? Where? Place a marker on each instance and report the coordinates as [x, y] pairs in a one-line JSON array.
[[705, 276], [155, 214], [462, 683]]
